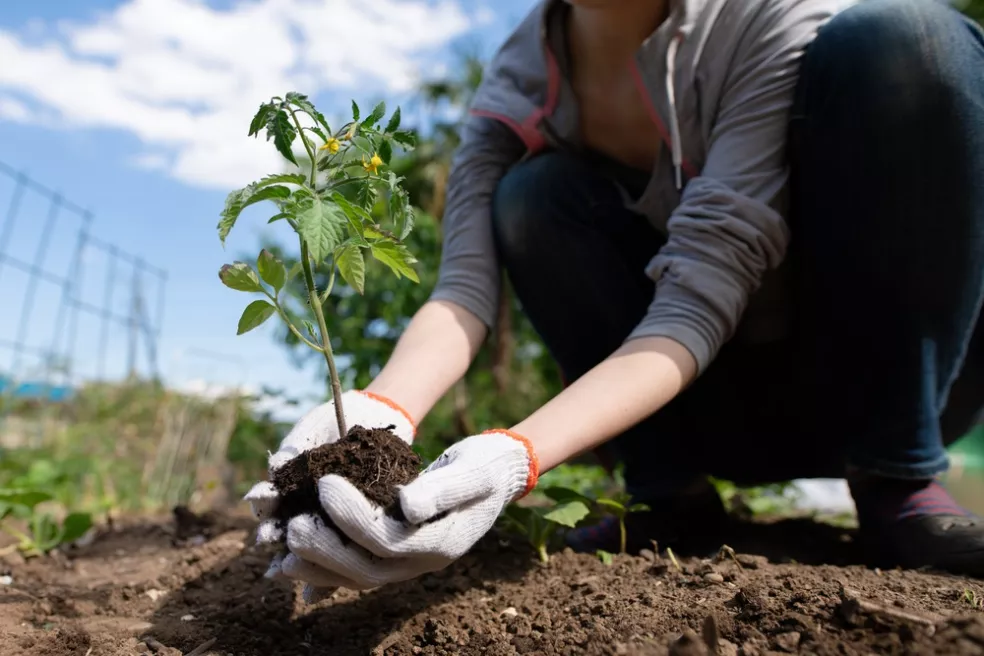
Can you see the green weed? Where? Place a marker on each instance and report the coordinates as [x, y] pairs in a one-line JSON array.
[[44, 532]]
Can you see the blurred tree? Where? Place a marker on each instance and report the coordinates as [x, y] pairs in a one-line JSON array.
[[973, 8]]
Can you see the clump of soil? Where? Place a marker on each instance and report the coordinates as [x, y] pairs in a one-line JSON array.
[[375, 460]]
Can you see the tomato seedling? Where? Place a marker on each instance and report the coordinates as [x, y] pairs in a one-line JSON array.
[[329, 205]]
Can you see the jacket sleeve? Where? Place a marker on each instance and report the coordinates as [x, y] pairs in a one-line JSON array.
[[729, 227], [469, 274]]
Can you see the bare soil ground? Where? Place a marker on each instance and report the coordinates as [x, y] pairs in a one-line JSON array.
[[196, 586]]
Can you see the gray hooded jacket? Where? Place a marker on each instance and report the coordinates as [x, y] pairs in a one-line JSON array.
[[718, 77]]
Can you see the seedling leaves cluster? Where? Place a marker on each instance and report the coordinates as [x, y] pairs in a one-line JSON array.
[[43, 531], [331, 206], [541, 524]]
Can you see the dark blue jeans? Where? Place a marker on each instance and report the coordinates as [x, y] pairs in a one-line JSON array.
[[883, 365]]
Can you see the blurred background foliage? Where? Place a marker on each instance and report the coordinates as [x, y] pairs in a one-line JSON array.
[[135, 446]]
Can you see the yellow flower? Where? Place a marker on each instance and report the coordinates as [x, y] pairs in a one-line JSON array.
[[373, 164], [332, 145]]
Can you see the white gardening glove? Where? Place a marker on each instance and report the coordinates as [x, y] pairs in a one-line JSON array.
[[314, 429], [471, 482]]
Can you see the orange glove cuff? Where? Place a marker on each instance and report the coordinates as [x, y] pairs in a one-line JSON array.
[[534, 474], [392, 404]]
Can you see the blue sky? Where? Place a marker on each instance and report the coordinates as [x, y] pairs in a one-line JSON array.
[[137, 110]]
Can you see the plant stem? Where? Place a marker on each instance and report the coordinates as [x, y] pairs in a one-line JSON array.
[[292, 327], [542, 551], [621, 528], [331, 283], [336, 387], [26, 542], [307, 147], [673, 559]]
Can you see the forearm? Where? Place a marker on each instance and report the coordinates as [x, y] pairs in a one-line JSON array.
[[631, 384], [433, 353]]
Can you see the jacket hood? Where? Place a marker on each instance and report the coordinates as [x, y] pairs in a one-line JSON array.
[[524, 86]]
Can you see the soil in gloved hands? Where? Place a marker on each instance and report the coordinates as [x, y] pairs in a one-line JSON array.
[[375, 461]]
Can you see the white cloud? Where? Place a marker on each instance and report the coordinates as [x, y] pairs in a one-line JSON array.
[[13, 110], [186, 78]]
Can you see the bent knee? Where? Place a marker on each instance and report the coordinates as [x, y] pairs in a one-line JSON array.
[[900, 52], [530, 200]]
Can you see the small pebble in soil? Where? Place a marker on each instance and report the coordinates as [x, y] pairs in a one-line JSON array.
[[689, 644], [749, 561], [788, 642]]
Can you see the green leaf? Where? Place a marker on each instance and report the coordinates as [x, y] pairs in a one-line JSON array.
[[261, 118], [365, 195], [394, 122], [355, 112], [373, 231], [521, 517], [272, 192], [611, 505], [300, 101], [254, 315], [320, 118], [278, 178], [319, 132], [312, 333], [401, 212], [295, 269], [75, 526], [356, 212], [376, 114], [240, 199], [239, 276], [393, 180], [357, 218], [405, 138], [396, 257], [385, 151], [25, 498], [234, 204], [568, 514], [396, 207], [605, 556], [639, 507], [284, 134], [352, 266], [277, 217], [320, 226], [409, 219], [272, 270], [45, 532], [565, 495], [622, 497]]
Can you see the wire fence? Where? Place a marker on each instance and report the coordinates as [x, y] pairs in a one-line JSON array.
[[63, 311]]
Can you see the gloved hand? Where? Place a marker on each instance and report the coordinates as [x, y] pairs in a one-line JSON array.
[[314, 429], [452, 504]]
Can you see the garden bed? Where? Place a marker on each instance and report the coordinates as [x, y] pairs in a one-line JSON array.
[[171, 587]]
